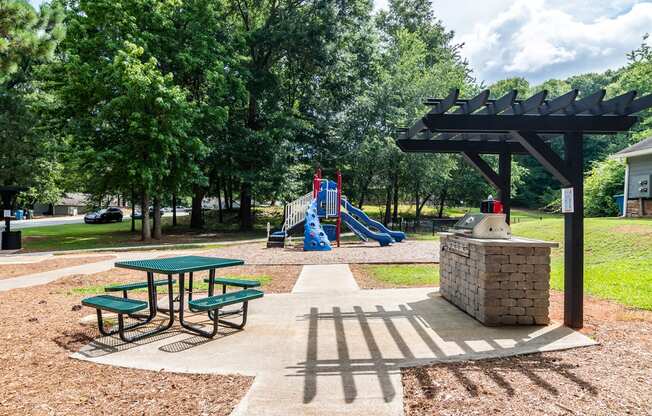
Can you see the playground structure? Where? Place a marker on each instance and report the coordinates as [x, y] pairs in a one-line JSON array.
[[326, 202]]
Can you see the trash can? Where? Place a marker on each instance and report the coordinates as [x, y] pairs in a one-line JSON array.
[[19, 214], [11, 240], [620, 202]]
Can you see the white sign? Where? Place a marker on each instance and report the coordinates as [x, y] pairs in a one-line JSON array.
[[567, 200], [7, 213]]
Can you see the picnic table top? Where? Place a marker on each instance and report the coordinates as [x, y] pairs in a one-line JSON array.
[[182, 264]]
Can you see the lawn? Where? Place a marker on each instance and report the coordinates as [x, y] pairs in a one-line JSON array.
[[617, 260], [404, 275], [93, 236]]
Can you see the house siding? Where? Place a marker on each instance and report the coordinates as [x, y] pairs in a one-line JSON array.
[[638, 165]]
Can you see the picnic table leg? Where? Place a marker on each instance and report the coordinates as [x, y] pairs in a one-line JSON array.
[[187, 326], [190, 279], [153, 307]]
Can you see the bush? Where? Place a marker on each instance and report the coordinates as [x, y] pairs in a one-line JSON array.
[[605, 180]]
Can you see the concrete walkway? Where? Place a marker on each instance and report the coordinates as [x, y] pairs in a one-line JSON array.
[[334, 352]]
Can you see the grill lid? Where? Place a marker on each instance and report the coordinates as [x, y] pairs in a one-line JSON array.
[[482, 225]]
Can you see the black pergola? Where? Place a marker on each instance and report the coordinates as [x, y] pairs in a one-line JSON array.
[[508, 126]]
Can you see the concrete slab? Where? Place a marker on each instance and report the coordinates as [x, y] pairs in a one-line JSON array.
[[325, 278], [333, 353]]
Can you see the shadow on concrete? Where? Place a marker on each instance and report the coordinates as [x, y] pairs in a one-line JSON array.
[[435, 322]]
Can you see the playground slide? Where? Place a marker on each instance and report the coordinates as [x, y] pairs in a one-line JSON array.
[[358, 228], [396, 235]]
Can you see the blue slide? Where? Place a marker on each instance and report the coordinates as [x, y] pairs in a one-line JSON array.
[[396, 235], [364, 232]]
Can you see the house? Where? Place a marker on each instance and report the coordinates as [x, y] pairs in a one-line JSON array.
[[638, 179], [71, 203]]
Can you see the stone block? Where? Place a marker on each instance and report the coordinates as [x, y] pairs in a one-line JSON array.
[[517, 277], [541, 303], [542, 320], [508, 320], [525, 302], [525, 320], [526, 268], [536, 294], [508, 285], [517, 310], [508, 302], [496, 259], [508, 268], [516, 294], [542, 285], [516, 259], [538, 260], [542, 251]]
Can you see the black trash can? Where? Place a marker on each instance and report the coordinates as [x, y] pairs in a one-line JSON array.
[[11, 240]]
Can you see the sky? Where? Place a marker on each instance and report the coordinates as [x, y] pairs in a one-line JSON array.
[[542, 39]]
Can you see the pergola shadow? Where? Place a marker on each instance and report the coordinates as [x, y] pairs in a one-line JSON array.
[[382, 362]]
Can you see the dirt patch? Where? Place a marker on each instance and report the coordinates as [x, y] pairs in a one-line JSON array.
[[410, 251], [14, 270], [611, 378], [638, 229], [41, 328]]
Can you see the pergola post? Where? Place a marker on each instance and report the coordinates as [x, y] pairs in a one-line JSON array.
[[574, 235], [505, 193]]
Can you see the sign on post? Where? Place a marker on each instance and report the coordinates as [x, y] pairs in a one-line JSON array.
[[567, 201]]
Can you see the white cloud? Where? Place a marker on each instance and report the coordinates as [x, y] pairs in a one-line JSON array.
[[541, 39]]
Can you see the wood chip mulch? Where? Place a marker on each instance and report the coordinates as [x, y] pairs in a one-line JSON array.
[[22, 269], [614, 378], [41, 327]]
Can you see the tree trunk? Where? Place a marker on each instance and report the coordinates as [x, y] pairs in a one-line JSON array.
[[196, 219], [133, 209], [158, 232], [145, 231], [219, 201], [174, 209], [388, 206], [395, 213], [246, 215], [442, 201], [363, 195]]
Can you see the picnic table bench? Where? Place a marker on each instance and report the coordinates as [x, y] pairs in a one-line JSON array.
[[170, 266]]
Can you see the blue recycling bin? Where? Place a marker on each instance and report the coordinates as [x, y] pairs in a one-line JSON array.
[[19, 214], [620, 202]]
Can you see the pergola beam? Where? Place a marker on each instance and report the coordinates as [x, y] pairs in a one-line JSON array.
[[450, 146], [544, 154], [474, 159], [559, 124]]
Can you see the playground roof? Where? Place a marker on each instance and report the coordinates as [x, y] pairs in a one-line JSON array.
[[485, 125]]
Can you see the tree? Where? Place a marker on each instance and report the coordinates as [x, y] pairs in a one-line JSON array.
[[604, 180], [29, 136]]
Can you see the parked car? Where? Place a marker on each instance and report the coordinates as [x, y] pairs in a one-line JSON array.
[[138, 215], [111, 214]]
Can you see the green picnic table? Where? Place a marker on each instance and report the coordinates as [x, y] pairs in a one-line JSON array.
[[169, 267]]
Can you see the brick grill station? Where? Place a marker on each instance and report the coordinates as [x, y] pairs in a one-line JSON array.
[[498, 282]]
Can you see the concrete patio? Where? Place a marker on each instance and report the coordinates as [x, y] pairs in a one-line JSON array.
[[332, 348]]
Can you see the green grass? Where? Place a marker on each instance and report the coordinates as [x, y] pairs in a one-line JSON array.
[[617, 259], [93, 236], [417, 275], [198, 286]]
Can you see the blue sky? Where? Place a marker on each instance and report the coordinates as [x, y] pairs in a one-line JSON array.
[[542, 39]]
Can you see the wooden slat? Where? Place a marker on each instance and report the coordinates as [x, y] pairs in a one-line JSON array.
[[501, 104], [616, 105], [641, 104], [531, 104], [544, 154], [585, 103], [558, 103], [474, 159]]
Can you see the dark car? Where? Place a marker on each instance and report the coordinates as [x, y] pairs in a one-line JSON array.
[[111, 214]]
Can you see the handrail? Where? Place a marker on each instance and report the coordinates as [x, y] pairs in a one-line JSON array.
[[295, 211]]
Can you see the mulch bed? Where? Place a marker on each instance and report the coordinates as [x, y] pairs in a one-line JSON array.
[[282, 280], [41, 328], [614, 378], [14, 270], [410, 251]]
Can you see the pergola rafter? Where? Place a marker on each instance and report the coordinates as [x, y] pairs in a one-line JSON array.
[[508, 126]]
